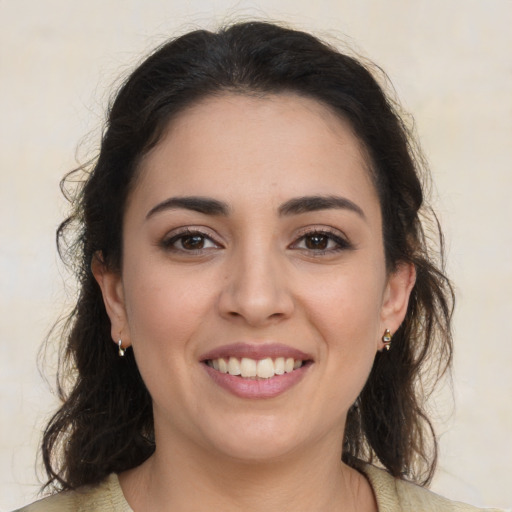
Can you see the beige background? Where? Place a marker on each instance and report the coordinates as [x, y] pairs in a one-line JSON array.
[[451, 64]]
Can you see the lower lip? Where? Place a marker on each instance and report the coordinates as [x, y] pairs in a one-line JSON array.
[[257, 388]]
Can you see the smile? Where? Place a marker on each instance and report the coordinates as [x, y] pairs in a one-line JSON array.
[[256, 370], [251, 368]]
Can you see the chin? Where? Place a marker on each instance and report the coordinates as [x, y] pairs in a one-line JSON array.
[[256, 440], [256, 451]]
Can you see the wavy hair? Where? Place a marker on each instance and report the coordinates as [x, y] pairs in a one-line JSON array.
[[105, 421]]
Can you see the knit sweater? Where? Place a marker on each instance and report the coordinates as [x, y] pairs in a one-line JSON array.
[[392, 496]]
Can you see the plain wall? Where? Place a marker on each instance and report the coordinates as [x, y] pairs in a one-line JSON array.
[[451, 65]]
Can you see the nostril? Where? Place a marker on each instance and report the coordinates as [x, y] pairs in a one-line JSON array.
[[256, 296]]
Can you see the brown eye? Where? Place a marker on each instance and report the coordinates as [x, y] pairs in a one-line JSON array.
[[193, 242], [317, 242], [321, 242], [189, 241]]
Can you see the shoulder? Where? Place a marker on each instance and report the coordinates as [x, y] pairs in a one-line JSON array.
[[395, 495], [104, 497]]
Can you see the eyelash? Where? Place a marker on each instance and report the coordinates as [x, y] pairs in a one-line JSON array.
[[341, 243], [169, 243]]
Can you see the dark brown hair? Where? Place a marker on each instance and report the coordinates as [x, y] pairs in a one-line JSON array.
[[105, 423]]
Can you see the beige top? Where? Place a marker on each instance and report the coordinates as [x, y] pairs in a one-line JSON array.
[[392, 496]]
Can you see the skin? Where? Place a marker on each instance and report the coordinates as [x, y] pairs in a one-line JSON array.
[[314, 280]]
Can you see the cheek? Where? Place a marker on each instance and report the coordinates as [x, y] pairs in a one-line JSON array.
[[165, 311], [347, 306], [345, 313], [164, 308]]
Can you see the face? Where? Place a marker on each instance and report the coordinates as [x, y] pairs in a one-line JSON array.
[[253, 287]]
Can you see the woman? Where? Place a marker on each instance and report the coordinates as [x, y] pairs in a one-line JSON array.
[[258, 303]]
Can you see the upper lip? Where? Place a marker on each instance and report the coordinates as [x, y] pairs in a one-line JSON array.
[[255, 351]]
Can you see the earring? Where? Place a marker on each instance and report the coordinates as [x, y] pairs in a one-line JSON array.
[[386, 339], [121, 349]]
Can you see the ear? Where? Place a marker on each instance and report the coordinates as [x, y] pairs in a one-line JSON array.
[[396, 296], [111, 286]]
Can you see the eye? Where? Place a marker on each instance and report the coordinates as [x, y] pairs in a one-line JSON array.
[[321, 242], [189, 241]]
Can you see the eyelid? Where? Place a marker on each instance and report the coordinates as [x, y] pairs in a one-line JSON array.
[[175, 234], [335, 234]]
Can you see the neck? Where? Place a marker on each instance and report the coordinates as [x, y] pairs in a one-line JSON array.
[[177, 479]]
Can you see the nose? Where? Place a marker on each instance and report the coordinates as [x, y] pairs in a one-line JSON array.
[[257, 289]]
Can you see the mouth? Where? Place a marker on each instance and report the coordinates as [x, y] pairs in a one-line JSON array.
[[256, 371], [248, 368]]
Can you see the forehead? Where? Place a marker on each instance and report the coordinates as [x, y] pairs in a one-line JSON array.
[[276, 146]]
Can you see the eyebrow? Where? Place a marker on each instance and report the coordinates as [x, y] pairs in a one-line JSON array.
[[295, 206], [307, 204], [204, 205]]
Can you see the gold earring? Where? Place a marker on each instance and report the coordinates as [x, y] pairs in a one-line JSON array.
[[121, 349], [386, 339]]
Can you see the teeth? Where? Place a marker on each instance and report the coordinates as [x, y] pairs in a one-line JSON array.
[[279, 366], [234, 366], [223, 365], [262, 368], [265, 368], [248, 367]]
